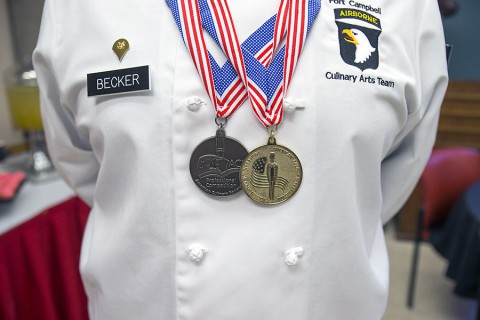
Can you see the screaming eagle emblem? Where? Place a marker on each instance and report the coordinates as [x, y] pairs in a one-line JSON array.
[[358, 34]]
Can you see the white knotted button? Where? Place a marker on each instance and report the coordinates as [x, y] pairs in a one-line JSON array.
[[194, 103], [292, 256], [196, 252], [291, 104]]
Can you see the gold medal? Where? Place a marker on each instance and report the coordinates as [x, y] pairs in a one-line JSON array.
[[271, 174]]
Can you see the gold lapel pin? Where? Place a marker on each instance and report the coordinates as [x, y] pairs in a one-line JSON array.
[[120, 47]]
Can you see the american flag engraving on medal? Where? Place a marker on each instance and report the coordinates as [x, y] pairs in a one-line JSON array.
[[265, 175], [271, 174], [215, 165]]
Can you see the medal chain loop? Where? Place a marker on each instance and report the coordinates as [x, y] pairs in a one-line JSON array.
[[221, 122], [272, 130]]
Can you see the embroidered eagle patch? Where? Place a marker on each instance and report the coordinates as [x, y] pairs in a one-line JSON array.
[[358, 33]]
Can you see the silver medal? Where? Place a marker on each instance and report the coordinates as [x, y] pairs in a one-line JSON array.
[[215, 165]]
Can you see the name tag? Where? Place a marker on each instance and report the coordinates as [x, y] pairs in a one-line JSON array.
[[118, 81]]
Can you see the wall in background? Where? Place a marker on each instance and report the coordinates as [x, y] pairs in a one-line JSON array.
[[20, 18], [7, 133], [461, 30], [25, 18]]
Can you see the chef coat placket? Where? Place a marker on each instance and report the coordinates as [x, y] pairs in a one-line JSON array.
[[243, 258], [246, 266]]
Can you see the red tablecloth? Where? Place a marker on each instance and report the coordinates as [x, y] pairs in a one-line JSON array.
[[39, 259]]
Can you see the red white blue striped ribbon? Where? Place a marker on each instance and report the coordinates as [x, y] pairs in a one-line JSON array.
[[193, 37], [192, 33], [291, 20]]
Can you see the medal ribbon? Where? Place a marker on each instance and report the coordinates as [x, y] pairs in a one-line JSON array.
[[188, 16], [294, 17], [191, 30], [291, 12]]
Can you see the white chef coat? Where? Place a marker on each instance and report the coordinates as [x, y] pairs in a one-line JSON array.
[[362, 146]]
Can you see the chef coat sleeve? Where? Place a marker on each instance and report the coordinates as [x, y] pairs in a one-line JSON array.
[[411, 149], [68, 146]]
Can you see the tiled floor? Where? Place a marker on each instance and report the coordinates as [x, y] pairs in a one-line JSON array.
[[434, 294]]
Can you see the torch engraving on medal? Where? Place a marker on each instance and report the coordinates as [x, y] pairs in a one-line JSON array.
[[272, 176], [265, 175], [215, 165]]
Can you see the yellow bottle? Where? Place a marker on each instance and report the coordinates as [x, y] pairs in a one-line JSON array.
[[24, 103], [23, 98]]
